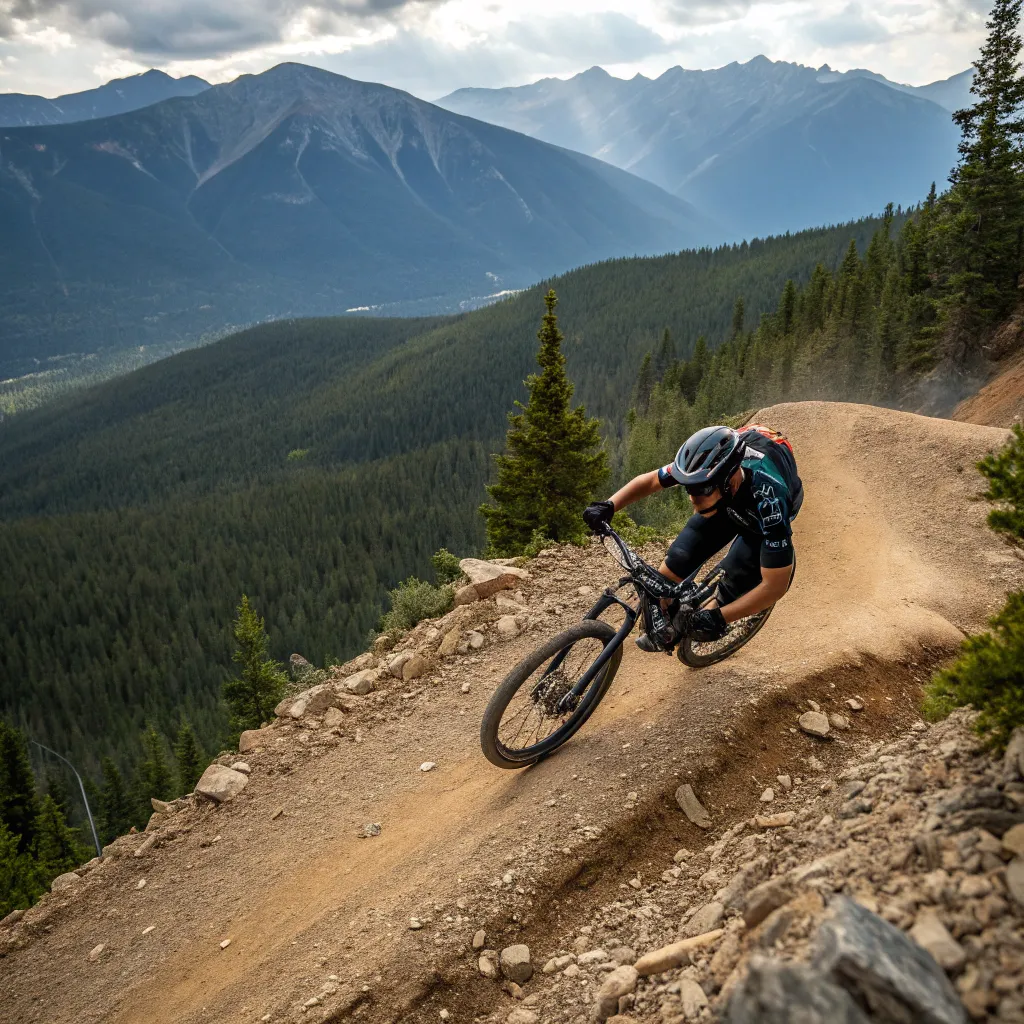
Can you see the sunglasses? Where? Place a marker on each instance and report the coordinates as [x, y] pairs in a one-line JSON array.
[[701, 490]]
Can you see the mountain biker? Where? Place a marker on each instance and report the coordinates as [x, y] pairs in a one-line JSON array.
[[745, 489]]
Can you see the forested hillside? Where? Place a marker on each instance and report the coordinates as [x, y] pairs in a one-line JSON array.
[[311, 464]]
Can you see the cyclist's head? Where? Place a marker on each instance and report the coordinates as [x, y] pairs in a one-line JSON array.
[[705, 464]]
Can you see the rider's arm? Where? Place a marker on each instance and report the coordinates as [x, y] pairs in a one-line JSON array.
[[642, 486], [773, 586]]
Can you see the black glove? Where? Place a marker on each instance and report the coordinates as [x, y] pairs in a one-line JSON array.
[[599, 514], [708, 625]]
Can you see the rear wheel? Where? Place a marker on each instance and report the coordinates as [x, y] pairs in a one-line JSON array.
[[698, 655], [522, 722]]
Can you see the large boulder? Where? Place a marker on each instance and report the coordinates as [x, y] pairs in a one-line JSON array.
[[515, 964], [252, 739], [487, 578], [779, 993], [397, 662], [415, 667], [221, 784], [362, 682], [888, 972], [363, 661], [314, 701], [69, 880], [815, 723], [299, 667]]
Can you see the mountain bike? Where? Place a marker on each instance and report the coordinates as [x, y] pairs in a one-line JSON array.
[[548, 696]]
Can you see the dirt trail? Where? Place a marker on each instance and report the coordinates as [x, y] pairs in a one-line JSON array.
[[894, 564]]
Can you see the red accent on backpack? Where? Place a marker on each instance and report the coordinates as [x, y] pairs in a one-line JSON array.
[[772, 435]]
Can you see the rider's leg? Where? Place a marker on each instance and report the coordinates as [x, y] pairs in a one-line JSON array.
[[742, 567], [700, 539]]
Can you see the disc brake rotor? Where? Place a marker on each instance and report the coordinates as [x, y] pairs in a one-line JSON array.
[[550, 692]]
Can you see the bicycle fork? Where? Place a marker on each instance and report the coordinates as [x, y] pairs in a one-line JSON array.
[[604, 602]]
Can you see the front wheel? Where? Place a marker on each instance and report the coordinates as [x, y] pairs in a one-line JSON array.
[[522, 722]]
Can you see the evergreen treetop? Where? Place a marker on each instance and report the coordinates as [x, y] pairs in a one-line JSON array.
[[189, 758], [57, 848], [154, 773], [19, 804], [115, 806], [554, 461], [260, 685]]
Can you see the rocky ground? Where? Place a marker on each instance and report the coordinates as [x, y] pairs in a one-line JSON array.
[[899, 880]]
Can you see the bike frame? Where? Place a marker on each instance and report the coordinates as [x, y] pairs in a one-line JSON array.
[[686, 591]]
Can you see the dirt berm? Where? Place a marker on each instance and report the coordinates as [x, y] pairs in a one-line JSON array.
[[895, 564]]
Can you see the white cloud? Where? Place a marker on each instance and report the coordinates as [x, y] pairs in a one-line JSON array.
[[433, 46]]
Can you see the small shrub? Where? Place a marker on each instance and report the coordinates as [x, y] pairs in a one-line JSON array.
[[989, 674], [414, 600], [298, 453], [632, 533], [446, 567], [1005, 473], [538, 542]]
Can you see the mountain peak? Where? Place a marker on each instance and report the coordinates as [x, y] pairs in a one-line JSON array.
[[594, 72]]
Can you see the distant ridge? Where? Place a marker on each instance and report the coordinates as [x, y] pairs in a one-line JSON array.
[[288, 193], [117, 97], [763, 147]]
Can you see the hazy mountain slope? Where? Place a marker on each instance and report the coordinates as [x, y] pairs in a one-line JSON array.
[[952, 93], [291, 192], [764, 147], [116, 97]]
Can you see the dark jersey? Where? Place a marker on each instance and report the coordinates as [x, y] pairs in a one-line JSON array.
[[769, 497]]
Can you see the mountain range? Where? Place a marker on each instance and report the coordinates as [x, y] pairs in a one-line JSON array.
[[293, 192], [117, 97], [762, 147]]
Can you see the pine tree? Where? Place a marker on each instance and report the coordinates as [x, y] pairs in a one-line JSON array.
[[153, 776], [260, 685], [188, 757], [19, 804], [696, 367], [554, 460], [739, 317], [115, 808], [787, 307], [981, 235], [21, 882], [1004, 471], [57, 790], [644, 386], [666, 355], [57, 849]]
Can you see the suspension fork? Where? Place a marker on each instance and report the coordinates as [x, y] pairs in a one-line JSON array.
[[604, 602]]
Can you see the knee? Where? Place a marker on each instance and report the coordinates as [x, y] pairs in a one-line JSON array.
[[680, 559]]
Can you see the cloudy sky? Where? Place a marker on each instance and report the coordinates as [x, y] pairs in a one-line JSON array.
[[433, 46]]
